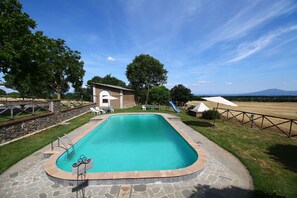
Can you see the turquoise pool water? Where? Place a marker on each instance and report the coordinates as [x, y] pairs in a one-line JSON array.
[[125, 143]]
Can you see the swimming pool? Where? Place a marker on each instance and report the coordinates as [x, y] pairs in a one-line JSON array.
[[132, 143], [165, 155]]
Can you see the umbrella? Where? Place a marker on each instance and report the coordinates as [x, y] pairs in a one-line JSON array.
[[219, 100]]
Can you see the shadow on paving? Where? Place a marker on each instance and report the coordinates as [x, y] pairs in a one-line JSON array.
[[198, 123], [285, 154], [210, 192]]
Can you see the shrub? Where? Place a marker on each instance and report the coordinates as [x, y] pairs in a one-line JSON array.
[[189, 112], [211, 114]]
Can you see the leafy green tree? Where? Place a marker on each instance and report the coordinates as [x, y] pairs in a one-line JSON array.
[[16, 46], [108, 79], [95, 79], [2, 92], [65, 68], [145, 72], [32, 63], [29, 78], [180, 94], [15, 35], [13, 95], [160, 95], [84, 93], [50, 68]]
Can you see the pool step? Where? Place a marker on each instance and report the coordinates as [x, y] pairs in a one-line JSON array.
[[125, 191]]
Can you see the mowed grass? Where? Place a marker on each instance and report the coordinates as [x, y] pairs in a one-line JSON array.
[[13, 152], [271, 159]]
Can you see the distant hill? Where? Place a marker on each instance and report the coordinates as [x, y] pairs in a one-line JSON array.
[[271, 92]]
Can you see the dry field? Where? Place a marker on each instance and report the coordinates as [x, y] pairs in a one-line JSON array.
[[279, 109]]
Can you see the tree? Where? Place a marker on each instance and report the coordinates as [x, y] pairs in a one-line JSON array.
[[65, 67], [32, 63], [30, 77], [180, 94], [15, 34], [108, 79], [159, 94], [145, 72], [84, 93], [2, 92], [95, 79]]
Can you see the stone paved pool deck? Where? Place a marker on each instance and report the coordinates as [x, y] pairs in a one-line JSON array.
[[223, 176]]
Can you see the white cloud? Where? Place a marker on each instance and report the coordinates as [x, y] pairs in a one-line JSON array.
[[247, 20], [249, 48], [228, 83], [201, 82], [109, 58]]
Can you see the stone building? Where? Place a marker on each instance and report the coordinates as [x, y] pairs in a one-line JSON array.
[[105, 95]]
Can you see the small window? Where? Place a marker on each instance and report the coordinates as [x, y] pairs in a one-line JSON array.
[[104, 101]]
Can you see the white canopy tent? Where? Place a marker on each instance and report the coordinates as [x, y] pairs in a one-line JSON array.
[[219, 100], [201, 107]]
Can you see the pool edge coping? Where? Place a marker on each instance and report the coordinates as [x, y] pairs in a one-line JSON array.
[[57, 174]]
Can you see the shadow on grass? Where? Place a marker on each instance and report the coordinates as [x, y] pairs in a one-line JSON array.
[[285, 154], [198, 123], [210, 192]]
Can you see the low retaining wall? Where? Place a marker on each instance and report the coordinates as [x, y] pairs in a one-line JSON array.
[[17, 128]]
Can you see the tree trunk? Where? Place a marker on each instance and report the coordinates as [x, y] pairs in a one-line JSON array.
[[58, 93]]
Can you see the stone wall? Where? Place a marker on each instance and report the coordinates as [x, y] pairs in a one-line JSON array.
[[17, 128]]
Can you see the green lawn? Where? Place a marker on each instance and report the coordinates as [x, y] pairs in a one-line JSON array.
[[270, 158], [13, 152]]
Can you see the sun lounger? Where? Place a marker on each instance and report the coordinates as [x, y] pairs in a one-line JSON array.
[[100, 110], [94, 111]]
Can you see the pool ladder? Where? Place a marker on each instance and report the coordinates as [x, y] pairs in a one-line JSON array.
[[68, 145]]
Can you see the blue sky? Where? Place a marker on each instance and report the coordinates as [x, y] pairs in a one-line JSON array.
[[210, 47]]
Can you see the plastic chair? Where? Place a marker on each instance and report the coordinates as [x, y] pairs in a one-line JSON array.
[[143, 108]]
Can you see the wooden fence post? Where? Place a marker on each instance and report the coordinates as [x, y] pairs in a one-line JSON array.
[[290, 130], [242, 121], [33, 109], [252, 123], [262, 122]]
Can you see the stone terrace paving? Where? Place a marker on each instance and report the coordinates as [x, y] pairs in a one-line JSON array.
[[223, 176]]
